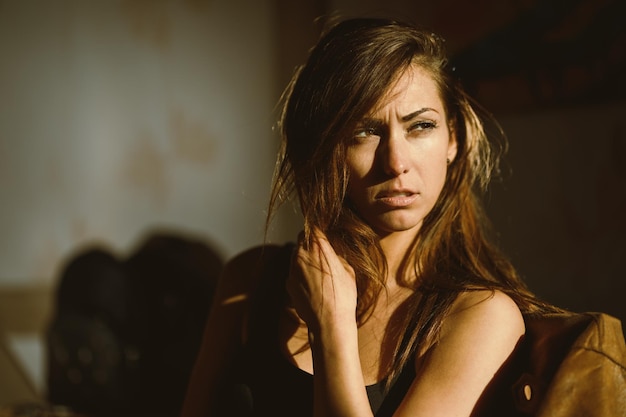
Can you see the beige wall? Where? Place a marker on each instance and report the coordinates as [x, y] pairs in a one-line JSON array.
[[120, 116]]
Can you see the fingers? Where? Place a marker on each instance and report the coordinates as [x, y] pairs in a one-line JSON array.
[[321, 285], [318, 253]]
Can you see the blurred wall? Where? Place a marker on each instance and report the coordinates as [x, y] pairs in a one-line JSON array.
[[117, 116]]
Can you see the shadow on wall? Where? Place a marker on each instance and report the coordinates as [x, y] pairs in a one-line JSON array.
[[125, 332]]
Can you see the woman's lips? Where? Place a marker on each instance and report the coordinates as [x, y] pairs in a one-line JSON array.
[[396, 199]]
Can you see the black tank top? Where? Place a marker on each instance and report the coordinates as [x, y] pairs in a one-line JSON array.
[[264, 382]]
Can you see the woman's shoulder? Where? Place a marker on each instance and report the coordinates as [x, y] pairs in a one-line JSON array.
[[477, 336], [485, 313], [484, 300]]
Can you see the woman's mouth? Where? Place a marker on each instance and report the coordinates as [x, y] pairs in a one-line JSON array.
[[396, 199]]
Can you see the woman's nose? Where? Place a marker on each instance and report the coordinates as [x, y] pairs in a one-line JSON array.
[[395, 155]]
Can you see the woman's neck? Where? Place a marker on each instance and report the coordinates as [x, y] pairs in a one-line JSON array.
[[396, 248]]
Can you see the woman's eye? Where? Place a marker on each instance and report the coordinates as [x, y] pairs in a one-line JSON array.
[[422, 126], [365, 133]]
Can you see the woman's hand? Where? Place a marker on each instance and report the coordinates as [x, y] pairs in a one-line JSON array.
[[322, 285], [323, 290]]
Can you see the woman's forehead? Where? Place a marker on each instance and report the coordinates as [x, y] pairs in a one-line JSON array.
[[413, 87]]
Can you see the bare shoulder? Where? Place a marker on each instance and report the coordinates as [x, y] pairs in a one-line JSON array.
[[483, 321], [485, 311], [477, 336], [492, 307], [482, 327]]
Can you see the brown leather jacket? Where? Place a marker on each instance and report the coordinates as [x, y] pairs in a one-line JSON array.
[[567, 365]]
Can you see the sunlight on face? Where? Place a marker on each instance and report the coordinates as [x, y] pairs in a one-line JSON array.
[[397, 155]]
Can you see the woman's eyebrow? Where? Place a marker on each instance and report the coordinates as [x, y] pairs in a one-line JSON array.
[[371, 122], [374, 122], [416, 113]]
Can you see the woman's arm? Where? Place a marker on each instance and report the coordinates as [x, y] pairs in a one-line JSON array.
[[477, 337], [223, 334], [323, 290]]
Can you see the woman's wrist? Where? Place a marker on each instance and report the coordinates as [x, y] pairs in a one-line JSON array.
[[333, 336]]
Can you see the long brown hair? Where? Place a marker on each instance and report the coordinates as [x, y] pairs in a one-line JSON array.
[[349, 70]]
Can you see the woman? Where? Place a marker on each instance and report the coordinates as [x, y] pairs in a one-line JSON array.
[[394, 301]]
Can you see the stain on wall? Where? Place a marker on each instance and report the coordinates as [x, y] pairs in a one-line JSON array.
[[145, 169], [191, 139], [149, 20]]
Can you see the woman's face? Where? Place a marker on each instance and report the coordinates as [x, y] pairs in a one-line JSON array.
[[397, 155]]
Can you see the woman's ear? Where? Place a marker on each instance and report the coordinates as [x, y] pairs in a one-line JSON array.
[[452, 144]]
